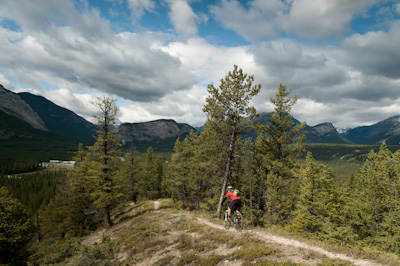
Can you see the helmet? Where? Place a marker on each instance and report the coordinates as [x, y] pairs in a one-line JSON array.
[[229, 188], [235, 192]]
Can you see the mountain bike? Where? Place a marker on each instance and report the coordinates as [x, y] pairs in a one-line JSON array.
[[236, 219]]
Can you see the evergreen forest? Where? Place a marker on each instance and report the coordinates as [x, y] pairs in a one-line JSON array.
[[280, 182]]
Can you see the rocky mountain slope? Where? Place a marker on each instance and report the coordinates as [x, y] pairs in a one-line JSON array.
[[160, 134], [60, 120], [321, 133], [324, 133], [387, 131], [12, 105]]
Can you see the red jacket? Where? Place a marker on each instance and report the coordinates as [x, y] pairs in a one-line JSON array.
[[229, 194], [233, 197]]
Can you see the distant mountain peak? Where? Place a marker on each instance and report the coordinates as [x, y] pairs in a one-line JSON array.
[[324, 133], [383, 131], [60, 120], [13, 105], [148, 131]]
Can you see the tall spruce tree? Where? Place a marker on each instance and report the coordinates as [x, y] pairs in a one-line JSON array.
[[316, 204], [390, 234], [226, 109], [79, 190], [104, 149], [375, 200], [280, 141], [277, 146], [130, 175], [178, 182]]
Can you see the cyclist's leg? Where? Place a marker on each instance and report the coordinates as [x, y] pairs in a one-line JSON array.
[[230, 207]]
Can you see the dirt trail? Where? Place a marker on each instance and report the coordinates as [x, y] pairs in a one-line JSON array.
[[290, 249], [268, 237]]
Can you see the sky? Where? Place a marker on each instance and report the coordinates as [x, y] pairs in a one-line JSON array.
[[340, 58]]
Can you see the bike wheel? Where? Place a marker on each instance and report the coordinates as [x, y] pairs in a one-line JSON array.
[[227, 223], [239, 221]]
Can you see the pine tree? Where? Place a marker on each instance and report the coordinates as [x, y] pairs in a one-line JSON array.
[[373, 196], [106, 191], [79, 191], [316, 210], [151, 176], [194, 170], [306, 216], [280, 141], [16, 228], [226, 107], [390, 234], [277, 146], [178, 180], [130, 175]]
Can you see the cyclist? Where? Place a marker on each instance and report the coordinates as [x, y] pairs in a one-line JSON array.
[[236, 202], [228, 194]]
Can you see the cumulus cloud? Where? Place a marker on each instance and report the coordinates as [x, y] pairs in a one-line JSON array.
[[207, 62], [263, 20], [310, 72], [139, 7], [255, 23], [183, 106], [130, 65], [183, 18], [70, 47], [322, 18], [375, 53]]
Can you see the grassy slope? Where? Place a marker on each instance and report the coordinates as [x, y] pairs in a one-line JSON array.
[[145, 235]]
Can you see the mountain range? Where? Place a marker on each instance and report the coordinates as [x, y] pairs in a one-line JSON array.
[[28, 116]]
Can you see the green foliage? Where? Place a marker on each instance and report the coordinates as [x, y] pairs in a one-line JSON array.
[[251, 252], [17, 166], [103, 174], [50, 252], [128, 176], [194, 171], [72, 252], [316, 203], [276, 149], [375, 202], [72, 211], [34, 190], [342, 152], [150, 176], [23, 152], [280, 142], [98, 254], [16, 229], [229, 114]]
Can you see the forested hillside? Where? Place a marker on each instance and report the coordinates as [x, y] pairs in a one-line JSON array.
[[278, 189]]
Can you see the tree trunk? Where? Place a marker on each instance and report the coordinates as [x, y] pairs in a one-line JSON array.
[[107, 220], [226, 174]]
